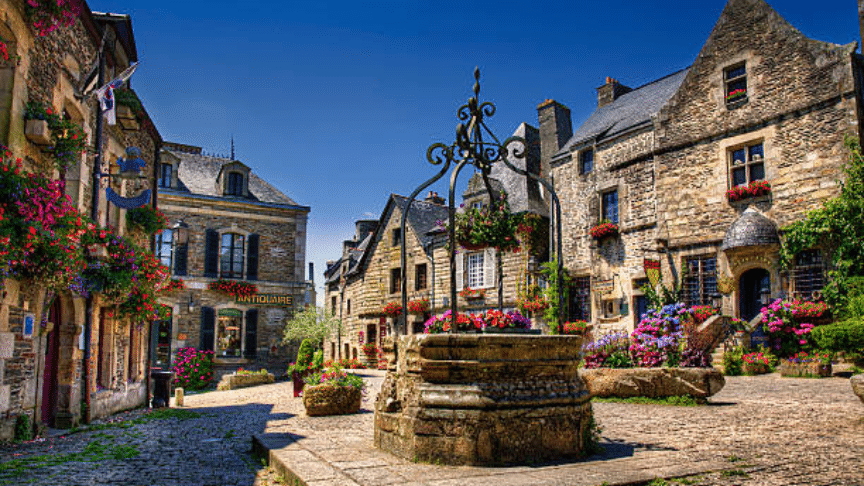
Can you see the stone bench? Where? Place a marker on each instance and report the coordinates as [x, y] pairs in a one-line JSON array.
[[234, 381], [857, 382], [652, 382]]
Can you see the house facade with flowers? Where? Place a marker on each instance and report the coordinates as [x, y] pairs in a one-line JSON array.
[[64, 276], [238, 244], [692, 176]]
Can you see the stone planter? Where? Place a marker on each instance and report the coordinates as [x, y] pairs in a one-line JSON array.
[[331, 400], [805, 370], [857, 382], [233, 382], [653, 382], [509, 330], [755, 368], [483, 399], [37, 131]]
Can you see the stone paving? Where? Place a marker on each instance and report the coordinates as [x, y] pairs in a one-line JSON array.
[[762, 430]]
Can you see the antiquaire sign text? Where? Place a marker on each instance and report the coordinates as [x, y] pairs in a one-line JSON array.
[[266, 299]]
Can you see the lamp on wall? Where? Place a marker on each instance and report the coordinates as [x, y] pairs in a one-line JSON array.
[[181, 232], [191, 303], [717, 300]]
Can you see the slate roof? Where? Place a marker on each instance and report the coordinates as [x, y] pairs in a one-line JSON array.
[[522, 194], [423, 216], [197, 173], [628, 111], [751, 229]]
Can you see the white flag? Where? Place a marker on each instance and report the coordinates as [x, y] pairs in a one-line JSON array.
[[106, 94]]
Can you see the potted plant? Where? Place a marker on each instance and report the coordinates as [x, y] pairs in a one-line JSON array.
[[603, 229], [510, 323], [491, 225], [332, 391], [532, 300], [756, 363], [464, 323], [392, 309], [575, 328], [418, 306], [304, 365], [370, 350], [472, 294]]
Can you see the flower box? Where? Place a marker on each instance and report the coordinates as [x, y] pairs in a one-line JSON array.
[[805, 370], [37, 131], [754, 189], [736, 95], [392, 309], [604, 229], [509, 330], [327, 399], [756, 368], [472, 294], [418, 306]]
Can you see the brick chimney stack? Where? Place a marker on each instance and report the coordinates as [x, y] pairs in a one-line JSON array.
[[555, 130], [434, 198], [611, 91]]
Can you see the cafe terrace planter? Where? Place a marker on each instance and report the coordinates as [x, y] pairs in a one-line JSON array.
[[652, 382], [805, 370], [328, 399], [480, 399], [234, 381]]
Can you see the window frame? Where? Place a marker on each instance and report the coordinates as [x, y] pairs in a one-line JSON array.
[[223, 272], [733, 83], [750, 161], [241, 331], [586, 157], [579, 305], [704, 282], [477, 261], [161, 245], [163, 183], [421, 279], [396, 236], [808, 270], [396, 280], [234, 184], [604, 213]]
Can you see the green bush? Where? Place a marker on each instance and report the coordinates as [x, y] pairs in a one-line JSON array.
[[318, 358], [846, 336], [306, 352], [193, 368], [23, 429], [733, 362]]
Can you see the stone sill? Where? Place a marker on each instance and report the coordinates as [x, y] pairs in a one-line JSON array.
[[735, 104]]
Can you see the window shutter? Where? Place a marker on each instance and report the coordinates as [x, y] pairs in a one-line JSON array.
[[252, 258], [251, 333], [489, 268], [181, 256], [211, 253], [208, 324], [460, 270]]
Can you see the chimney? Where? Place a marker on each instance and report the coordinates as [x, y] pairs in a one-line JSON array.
[[861, 22], [434, 198], [364, 227], [555, 130], [312, 272], [610, 92]]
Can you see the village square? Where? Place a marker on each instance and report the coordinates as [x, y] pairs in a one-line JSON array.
[[660, 284]]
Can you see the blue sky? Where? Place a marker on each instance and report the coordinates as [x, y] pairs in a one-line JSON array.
[[335, 103]]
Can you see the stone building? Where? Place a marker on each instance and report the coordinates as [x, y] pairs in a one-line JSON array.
[[368, 274], [760, 103], [44, 374], [229, 224]]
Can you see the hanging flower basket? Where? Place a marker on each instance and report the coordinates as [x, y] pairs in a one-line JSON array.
[[236, 288], [67, 139], [392, 309], [604, 229], [492, 225], [147, 219], [754, 189], [418, 306], [472, 294]]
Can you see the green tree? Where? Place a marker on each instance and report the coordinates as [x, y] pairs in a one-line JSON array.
[[552, 314], [313, 323]]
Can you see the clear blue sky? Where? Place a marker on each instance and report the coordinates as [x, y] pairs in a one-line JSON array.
[[335, 103]]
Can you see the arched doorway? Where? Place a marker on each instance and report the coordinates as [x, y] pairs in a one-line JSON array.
[[754, 290], [52, 359]]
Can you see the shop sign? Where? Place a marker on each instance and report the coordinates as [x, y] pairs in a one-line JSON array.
[[267, 299]]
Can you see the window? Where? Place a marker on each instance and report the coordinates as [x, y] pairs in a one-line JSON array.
[[229, 333], [395, 280], [231, 256], [476, 269], [640, 302], [420, 277], [586, 161], [610, 206], [348, 307], [333, 305], [166, 175], [808, 274], [747, 164], [735, 81], [580, 299], [477, 205], [163, 344], [700, 282], [235, 184], [165, 248], [396, 237]]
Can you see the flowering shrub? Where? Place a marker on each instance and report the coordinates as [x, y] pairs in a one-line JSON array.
[[68, 139], [786, 324], [418, 306], [49, 15], [754, 189], [701, 313], [736, 94], [370, 350], [464, 322], [805, 357], [495, 319], [532, 300], [610, 351], [345, 363], [236, 288], [193, 368], [756, 363], [490, 225], [392, 309], [173, 284], [334, 376], [147, 219], [603, 229], [575, 328], [658, 337], [469, 293]]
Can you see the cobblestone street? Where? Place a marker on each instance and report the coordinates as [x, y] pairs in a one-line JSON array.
[[770, 431]]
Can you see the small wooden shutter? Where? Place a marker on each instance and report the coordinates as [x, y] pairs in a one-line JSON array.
[[489, 267], [252, 258], [211, 253], [251, 333], [181, 256], [208, 325], [460, 269]]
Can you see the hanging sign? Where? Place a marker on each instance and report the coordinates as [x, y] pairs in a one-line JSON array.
[[652, 271], [129, 169]]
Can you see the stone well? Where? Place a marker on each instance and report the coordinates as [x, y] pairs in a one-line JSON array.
[[483, 399]]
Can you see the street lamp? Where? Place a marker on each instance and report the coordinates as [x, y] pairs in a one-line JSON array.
[[181, 232]]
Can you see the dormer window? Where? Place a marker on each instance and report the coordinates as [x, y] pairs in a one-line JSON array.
[[735, 83], [235, 184], [166, 174]]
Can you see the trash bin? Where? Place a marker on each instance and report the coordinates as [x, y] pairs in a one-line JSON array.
[[161, 388]]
